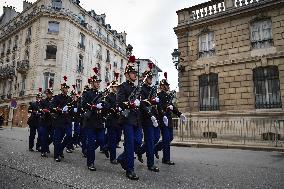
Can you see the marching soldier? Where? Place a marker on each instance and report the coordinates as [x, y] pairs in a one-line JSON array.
[[34, 121], [46, 131], [92, 103], [112, 125], [128, 100], [165, 110], [76, 117], [61, 121], [149, 121]]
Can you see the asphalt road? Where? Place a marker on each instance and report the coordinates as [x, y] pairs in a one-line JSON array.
[[195, 168]]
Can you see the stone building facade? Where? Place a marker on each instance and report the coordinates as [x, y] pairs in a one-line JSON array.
[[143, 66], [232, 57], [50, 39]]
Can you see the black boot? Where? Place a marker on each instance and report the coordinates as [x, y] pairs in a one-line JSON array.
[[154, 168], [114, 162], [140, 158], [157, 155], [106, 153], [43, 154], [131, 175], [57, 159], [92, 167], [168, 162]]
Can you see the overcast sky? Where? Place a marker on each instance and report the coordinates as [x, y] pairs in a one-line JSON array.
[[148, 24]]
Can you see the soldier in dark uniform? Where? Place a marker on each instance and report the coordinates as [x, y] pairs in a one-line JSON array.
[[34, 121], [92, 103], [149, 120], [60, 107], [113, 128], [166, 109], [46, 130], [76, 116], [130, 121]]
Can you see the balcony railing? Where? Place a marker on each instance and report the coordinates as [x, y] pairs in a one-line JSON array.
[[217, 7], [7, 71], [7, 29], [23, 66], [256, 130]]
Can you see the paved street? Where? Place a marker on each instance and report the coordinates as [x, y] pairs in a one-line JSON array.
[[195, 168]]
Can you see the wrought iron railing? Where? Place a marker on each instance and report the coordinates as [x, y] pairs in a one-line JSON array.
[[23, 66], [239, 130]]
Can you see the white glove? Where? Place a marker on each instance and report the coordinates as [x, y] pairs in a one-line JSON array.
[[166, 121], [75, 110], [171, 107], [119, 109], [65, 109], [154, 121], [99, 106], [183, 118], [157, 100], [137, 103]]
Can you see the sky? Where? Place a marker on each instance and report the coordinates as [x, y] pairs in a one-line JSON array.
[[148, 23]]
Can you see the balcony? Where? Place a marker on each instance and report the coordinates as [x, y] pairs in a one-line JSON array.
[[28, 40], [7, 71], [81, 46], [22, 93], [23, 66]]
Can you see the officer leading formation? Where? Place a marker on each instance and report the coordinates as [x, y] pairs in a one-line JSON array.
[[95, 120]]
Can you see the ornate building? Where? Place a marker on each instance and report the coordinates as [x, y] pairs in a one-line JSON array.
[[232, 58], [50, 39]]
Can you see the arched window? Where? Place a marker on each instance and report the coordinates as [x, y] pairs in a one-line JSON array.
[[267, 87], [208, 92]]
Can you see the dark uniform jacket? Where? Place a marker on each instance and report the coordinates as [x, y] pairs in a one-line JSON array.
[[163, 110], [46, 119], [75, 116], [34, 109], [60, 119], [96, 117], [111, 110], [148, 109], [125, 90]]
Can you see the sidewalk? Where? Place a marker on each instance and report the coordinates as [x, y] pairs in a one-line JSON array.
[[190, 143]]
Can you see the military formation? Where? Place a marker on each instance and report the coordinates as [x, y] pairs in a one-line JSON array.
[[96, 119]]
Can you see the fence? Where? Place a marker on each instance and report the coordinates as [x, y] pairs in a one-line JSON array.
[[232, 130]]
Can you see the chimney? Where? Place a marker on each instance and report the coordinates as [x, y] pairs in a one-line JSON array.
[[26, 4], [9, 13], [123, 34]]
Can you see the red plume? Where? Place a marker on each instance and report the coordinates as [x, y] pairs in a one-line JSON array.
[[96, 70], [65, 78], [74, 87], [132, 59], [40, 90], [166, 75], [150, 65], [116, 75]]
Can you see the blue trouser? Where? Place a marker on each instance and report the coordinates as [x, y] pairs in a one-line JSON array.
[[95, 138], [112, 135], [76, 134], [102, 148], [83, 140], [62, 137], [167, 137], [33, 131], [152, 135], [132, 143], [43, 138], [119, 133]]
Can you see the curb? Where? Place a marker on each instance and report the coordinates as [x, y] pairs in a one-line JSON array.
[[227, 146]]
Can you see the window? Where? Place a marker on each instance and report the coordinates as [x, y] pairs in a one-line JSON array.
[[79, 85], [261, 34], [16, 42], [23, 83], [107, 75], [51, 52], [82, 41], [56, 4], [267, 87], [4, 88], [29, 32], [53, 27], [206, 45], [27, 54], [80, 67], [208, 92], [10, 86], [99, 52], [48, 80], [108, 56]]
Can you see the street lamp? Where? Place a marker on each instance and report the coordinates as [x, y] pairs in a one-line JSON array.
[[177, 59]]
